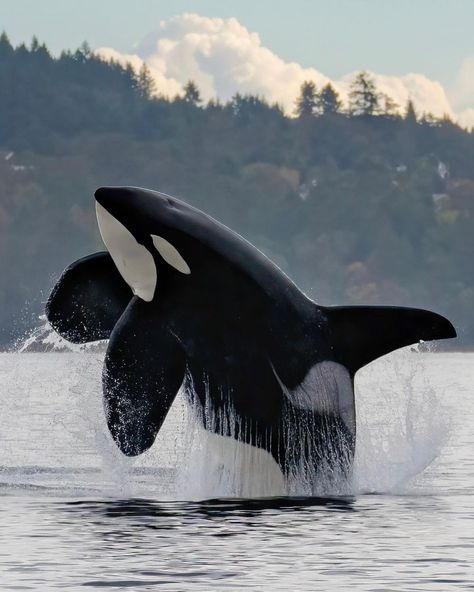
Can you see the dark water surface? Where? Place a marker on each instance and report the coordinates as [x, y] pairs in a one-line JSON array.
[[74, 515]]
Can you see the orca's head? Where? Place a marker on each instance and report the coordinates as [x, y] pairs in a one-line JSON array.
[[140, 230]]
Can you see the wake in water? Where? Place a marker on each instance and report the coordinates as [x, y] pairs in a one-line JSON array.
[[402, 428]]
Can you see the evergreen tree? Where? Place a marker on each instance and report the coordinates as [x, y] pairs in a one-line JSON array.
[[34, 44], [389, 107], [6, 49], [192, 94], [145, 83], [363, 97], [306, 103], [85, 49], [410, 113], [329, 101]]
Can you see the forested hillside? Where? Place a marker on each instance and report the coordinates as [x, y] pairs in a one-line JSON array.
[[364, 203]]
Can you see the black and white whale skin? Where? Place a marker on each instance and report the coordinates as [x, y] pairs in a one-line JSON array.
[[184, 301]]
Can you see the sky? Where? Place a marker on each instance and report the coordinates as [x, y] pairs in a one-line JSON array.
[[287, 41]]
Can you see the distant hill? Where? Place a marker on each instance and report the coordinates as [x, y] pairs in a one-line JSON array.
[[373, 204]]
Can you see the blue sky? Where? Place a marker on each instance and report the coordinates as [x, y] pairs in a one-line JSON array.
[[334, 36]]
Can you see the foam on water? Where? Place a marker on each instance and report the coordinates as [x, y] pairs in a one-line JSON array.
[[402, 428]]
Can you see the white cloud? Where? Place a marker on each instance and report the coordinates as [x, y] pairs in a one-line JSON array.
[[223, 58], [466, 118], [166, 85], [462, 93]]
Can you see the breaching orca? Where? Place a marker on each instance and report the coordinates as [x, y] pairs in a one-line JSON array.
[[184, 300]]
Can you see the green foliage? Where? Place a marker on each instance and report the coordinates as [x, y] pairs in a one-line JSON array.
[[312, 103], [144, 83], [410, 113], [329, 101], [364, 98], [307, 102], [356, 207], [192, 94]]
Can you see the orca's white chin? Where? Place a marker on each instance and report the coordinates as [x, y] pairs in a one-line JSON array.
[[133, 261]]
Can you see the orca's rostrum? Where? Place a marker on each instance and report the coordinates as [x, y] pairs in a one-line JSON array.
[[184, 301]]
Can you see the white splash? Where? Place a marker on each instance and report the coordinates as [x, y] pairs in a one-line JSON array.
[[403, 425], [54, 421], [44, 338]]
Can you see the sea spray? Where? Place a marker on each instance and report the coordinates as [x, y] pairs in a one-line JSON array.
[[403, 426], [43, 338], [402, 430], [219, 461]]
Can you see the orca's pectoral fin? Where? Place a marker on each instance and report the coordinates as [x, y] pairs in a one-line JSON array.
[[88, 299], [361, 334], [143, 370]]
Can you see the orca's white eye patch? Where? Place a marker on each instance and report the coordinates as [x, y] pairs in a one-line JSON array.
[[170, 254], [133, 261]]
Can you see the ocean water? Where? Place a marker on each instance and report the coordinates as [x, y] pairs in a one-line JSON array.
[[194, 514]]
